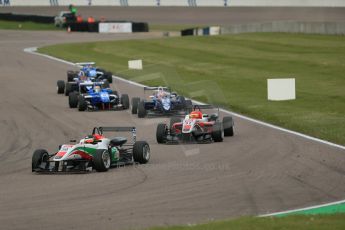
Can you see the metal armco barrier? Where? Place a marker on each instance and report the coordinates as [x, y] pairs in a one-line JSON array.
[[191, 3]]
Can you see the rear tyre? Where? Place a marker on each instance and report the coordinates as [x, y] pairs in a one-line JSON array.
[[174, 120], [60, 86], [105, 84], [188, 105], [125, 101], [73, 99], [135, 103], [228, 125], [40, 156], [82, 105], [161, 133], [68, 88], [141, 152], [109, 76], [141, 109], [183, 102], [218, 132], [71, 75], [101, 160]]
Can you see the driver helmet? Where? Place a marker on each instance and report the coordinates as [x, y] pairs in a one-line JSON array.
[[195, 115], [97, 89]]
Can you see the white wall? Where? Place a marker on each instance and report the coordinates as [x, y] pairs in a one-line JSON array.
[[321, 3]]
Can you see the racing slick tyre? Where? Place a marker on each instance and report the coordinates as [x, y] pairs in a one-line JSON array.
[[71, 75], [73, 100], [105, 84], [82, 105], [40, 156], [161, 133], [183, 102], [60, 87], [188, 106], [218, 132], [125, 101], [101, 160], [68, 88], [141, 152], [141, 109], [135, 103], [228, 125], [109, 76], [174, 120]]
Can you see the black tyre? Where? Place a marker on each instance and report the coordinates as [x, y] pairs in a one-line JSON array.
[[101, 160], [161, 133], [141, 109], [82, 105], [125, 101], [40, 156], [174, 120], [68, 88], [60, 86], [183, 102], [228, 125], [109, 76], [135, 103], [73, 100], [188, 105], [71, 75], [218, 132], [141, 152], [105, 84]]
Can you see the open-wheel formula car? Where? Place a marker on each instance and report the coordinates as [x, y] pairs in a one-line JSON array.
[[93, 96], [161, 102], [95, 151], [86, 74], [196, 127]]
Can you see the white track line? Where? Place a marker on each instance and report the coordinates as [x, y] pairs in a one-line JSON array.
[[32, 50], [303, 209]]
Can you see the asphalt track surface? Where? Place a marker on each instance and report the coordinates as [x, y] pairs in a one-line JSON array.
[[259, 170]]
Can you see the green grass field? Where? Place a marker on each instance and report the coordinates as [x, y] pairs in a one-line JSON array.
[[297, 222], [10, 25], [231, 70]]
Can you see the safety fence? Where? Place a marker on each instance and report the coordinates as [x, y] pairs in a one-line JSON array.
[[331, 28], [191, 3]]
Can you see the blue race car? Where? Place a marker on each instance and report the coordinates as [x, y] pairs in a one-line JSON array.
[[85, 74], [161, 102], [99, 98]]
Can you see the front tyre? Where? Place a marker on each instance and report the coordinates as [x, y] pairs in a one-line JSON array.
[[73, 100], [125, 101], [141, 109], [141, 152], [82, 105], [161, 133], [60, 86], [135, 103], [101, 160], [39, 158]]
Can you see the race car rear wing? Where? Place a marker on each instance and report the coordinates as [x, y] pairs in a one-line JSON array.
[[85, 63], [156, 88], [101, 130]]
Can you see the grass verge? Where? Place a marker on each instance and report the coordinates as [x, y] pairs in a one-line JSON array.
[[297, 222], [231, 70], [14, 25]]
